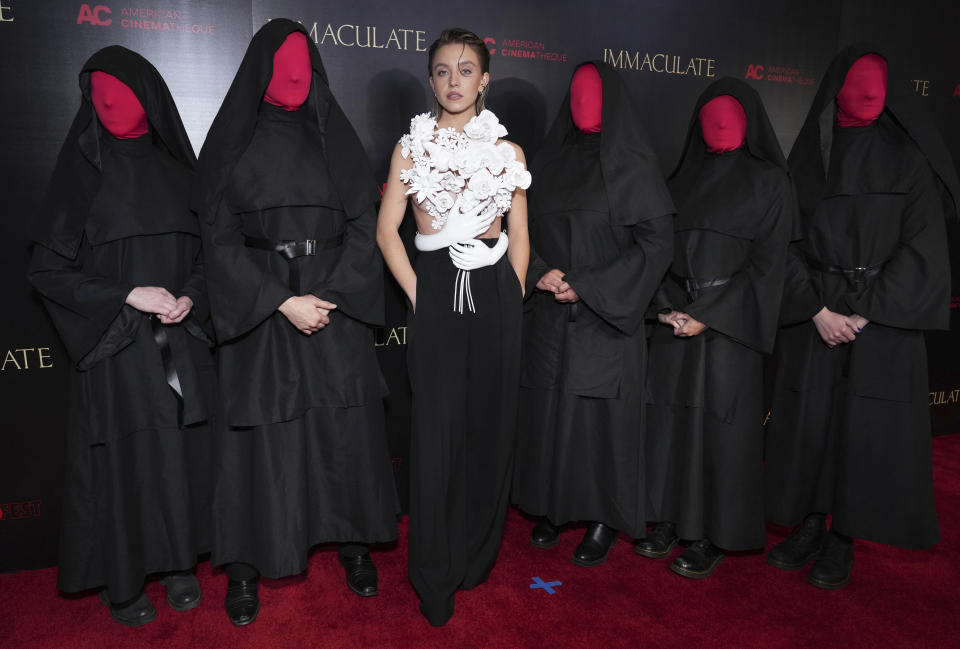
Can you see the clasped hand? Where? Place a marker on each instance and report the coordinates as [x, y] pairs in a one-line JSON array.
[[553, 282], [684, 325], [160, 302], [836, 328], [307, 313]]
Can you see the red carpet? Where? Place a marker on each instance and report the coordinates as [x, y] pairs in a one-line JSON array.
[[897, 598]]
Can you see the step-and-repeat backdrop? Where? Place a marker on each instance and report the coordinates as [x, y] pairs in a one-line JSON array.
[[375, 55]]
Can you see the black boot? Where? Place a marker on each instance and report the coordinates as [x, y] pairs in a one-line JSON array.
[[545, 535], [242, 602], [183, 590], [698, 561], [595, 546], [798, 549], [361, 572], [659, 541], [832, 569], [135, 612]]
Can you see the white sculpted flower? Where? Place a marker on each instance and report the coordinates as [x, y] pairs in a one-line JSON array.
[[502, 199], [507, 152], [452, 182], [485, 127], [443, 201], [483, 184], [439, 156], [424, 182], [468, 161], [422, 127], [517, 176]]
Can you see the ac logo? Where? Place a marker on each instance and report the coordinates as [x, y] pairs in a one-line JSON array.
[[491, 43], [956, 91], [754, 72], [94, 16]]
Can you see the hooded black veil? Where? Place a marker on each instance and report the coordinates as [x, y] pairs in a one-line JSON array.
[[600, 212], [117, 217], [735, 212]]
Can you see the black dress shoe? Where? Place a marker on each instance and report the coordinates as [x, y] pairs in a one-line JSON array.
[[698, 561], [136, 612], [595, 546], [361, 574], [545, 534], [183, 591], [242, 602], [798, 549], [660, 540], [831, 571]]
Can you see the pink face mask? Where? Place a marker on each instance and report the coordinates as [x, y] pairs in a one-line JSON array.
[[117, 107], [292, 73], [864, 92], [586, 99], [723, 123]]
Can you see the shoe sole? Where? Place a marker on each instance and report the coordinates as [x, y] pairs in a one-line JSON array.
[[547, 545], [247, 622], [693, 574], [595, 562], [828, 585], [656, 555], [783, 565], [128, 623], [357, 591], [184, 607]]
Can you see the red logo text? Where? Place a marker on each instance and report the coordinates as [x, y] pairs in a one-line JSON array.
[[95, 15]]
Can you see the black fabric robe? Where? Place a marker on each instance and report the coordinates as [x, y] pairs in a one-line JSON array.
[[304, 458], [600, 212], [137, 487], [850, 427], [705, 411]]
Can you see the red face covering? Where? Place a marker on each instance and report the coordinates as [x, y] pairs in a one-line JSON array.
[[292, 72], [724, 124], [864, 92], [586, 99], [117, 107]]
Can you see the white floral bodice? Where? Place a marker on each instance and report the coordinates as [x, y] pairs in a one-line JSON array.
[[447, 163]]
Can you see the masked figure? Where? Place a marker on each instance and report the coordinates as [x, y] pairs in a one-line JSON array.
[[601, 239], [117, 261], [718, 309], [287, 206], [850, 428]]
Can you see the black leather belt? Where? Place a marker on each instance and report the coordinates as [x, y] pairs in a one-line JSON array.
[[169, 369], [693, 285], [291, 250], [855, 276]]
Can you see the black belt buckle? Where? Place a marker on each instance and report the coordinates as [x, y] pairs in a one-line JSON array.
[[310, 247]]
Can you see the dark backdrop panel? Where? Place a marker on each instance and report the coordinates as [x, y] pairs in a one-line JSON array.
[[375, 54]]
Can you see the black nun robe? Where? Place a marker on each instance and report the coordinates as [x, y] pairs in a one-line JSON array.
[[705, 412], [850, 427], [303, 458], [599, 211], [117, 216]]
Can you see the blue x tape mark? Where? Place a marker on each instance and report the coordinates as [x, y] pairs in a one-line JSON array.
[[546, 585]]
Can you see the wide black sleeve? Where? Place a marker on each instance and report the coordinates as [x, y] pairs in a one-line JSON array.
[[620, 290], [747, 307], [82, 306], [241, 294], [355, 284], [912, 290]]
